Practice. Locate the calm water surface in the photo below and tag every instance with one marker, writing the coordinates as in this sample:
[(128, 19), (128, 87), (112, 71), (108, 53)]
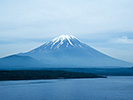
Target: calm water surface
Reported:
[(111, 88)]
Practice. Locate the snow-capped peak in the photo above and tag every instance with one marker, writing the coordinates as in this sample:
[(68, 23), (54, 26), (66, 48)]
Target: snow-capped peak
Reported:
[(61, 42), (61, 39)]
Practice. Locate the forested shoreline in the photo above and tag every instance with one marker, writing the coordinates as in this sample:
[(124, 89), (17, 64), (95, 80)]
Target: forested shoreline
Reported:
[(43, 74)]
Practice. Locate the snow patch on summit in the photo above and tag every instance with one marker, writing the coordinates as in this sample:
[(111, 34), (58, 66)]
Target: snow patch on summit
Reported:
[(60, 40)]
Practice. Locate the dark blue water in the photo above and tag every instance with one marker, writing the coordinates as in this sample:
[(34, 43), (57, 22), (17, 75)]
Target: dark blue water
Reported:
[(112, 88)]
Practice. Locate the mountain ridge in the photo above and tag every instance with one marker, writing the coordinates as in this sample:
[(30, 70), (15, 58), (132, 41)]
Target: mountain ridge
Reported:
[(67, 51)]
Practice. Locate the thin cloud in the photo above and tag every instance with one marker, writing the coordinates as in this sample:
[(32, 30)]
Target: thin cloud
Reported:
[(123, 40)]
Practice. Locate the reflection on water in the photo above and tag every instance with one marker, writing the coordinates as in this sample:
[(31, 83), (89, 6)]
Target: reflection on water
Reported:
[(24, 82), (112, 88)]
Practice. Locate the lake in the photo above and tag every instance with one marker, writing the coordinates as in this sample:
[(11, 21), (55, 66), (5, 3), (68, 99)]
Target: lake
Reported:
[(111, 88)]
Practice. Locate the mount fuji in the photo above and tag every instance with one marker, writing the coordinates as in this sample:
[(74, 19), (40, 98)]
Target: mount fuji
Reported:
[(69, 51)]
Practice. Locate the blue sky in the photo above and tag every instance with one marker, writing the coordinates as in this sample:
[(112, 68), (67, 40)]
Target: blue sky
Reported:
[(106, 25)]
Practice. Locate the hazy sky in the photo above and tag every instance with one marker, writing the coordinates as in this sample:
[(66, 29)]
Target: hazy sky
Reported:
[(106, 25)]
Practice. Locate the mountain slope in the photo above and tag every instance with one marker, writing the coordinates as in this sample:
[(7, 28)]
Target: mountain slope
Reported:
[(68, 51), (18, 62)]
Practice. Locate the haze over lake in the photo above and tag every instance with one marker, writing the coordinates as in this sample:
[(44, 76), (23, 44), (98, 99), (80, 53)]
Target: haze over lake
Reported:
[(111, 88)]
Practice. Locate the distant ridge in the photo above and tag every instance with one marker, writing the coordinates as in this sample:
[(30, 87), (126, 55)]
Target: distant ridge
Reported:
[(19, 62)]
